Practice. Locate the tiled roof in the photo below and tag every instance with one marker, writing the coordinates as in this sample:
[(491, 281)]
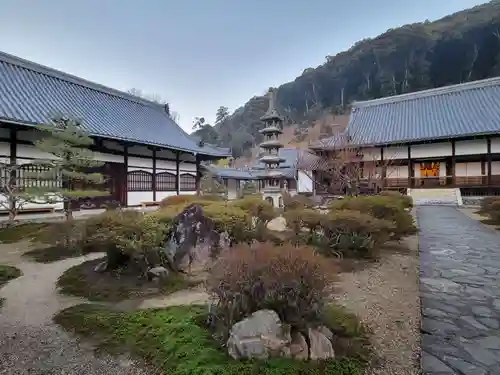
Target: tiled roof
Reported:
[(30, 94), (466, 109)]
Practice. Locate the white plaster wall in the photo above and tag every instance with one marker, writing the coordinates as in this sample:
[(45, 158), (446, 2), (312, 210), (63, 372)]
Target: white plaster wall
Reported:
[(472, 147), (4, 149), (31, 152), (166, 165), (140, 150), (4, 132), (495, 167), (232, 189), (140, 162), (468, 169), (187, 167), (396, 152), (371, 154), (112, 145), (111, 158), (132, 169), (164, 194), (165, 154), (304, 182), (397, 171), (495, 145), (431, 150), (135, 198)]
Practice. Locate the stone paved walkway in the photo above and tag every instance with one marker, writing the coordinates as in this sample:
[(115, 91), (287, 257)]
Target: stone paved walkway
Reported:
[(460, 291)]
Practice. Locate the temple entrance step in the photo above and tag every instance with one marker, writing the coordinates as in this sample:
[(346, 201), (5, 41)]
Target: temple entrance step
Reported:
[(437, 196)]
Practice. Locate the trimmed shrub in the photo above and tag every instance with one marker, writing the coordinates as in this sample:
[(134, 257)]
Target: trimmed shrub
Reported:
[(228, 218), (175, 200), (125, 236), (290, 280), (98, 232), (298, 201), (353, 233), (405, 200), (487, 204), (381, 207), (257, 208)]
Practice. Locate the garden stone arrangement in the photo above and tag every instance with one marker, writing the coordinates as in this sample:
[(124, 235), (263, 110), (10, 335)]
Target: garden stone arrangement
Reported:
[(270, 305)]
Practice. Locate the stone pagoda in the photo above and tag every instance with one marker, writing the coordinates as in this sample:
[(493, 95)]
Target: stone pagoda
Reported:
[(269, 150)]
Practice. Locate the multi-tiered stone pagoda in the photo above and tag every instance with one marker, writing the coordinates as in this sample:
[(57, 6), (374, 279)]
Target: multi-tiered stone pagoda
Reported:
[(272, 176)]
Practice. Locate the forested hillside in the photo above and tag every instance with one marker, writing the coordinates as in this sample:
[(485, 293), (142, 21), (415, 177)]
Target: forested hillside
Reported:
[(461, 47)]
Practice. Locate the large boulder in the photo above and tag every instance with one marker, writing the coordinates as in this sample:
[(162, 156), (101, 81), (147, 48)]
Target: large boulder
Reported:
[(192, 240), (320, 346), (261, 336)]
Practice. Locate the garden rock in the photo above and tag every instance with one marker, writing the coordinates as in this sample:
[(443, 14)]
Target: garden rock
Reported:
[(298, 347), (258, 336), (192, 239), (101, 267), (325, 331), (320, 346), (158, 273)]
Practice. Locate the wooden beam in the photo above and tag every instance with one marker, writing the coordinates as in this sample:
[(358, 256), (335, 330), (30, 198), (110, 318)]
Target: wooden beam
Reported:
[(125, 164), (154, 174), (410, 169), (453, 163), (13, 159), (198, 174), (177, 171), (488, 159)]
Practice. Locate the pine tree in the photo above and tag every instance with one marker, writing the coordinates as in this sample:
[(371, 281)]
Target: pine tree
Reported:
[(69, 164)]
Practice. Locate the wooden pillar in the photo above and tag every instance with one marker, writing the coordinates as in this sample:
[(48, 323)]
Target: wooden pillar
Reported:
[(177, 172), (410, 169), (13, 160), (154, 174), (198, 174), (489, 181), (384, 168), (125, 163), (453, 164)]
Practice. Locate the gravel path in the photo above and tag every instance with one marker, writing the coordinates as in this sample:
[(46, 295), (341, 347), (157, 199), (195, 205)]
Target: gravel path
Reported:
[(30, 343), (386, 298), (460, 272)]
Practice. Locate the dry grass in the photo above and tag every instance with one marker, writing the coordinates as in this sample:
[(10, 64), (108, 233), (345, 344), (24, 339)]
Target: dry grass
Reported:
[(386, 298)]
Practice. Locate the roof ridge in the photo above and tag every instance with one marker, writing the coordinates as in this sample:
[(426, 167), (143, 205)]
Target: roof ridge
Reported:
[(494, 81), (55, 73)]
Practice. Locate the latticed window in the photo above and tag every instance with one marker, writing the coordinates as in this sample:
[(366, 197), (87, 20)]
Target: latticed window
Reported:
[(32, 175), (166, 181), (187, 182), (139, 181)]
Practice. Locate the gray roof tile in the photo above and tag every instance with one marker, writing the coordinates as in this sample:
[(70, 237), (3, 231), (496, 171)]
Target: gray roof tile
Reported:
[(467, 109), (31, 94)]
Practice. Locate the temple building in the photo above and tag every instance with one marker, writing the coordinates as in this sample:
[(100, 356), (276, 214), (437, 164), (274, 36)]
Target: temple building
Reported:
[(147, 155), (438, 145)]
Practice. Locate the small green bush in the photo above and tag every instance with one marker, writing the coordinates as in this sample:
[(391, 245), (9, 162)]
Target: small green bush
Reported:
[(405, 200), (297, 201), (290, 280), (185, 200), (353, 233), (257, 208), (381, 207), (228, 218)]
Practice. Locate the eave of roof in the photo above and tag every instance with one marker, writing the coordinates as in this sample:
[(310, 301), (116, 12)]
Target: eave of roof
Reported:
[(466, 110), (31, 93)]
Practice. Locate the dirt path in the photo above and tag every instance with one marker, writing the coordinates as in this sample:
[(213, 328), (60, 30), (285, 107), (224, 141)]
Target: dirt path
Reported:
[(30, 343), (386, 298)]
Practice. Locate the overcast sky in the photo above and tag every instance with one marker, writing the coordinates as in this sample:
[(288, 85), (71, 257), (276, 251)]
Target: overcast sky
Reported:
[(199, 54)]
